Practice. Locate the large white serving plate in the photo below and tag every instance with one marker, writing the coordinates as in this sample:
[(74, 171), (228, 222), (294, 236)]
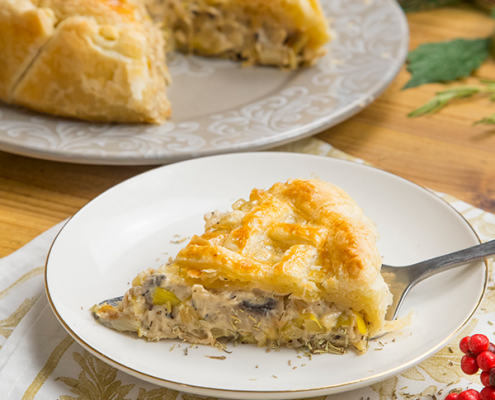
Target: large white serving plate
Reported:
[(220, 107), (130, 227)]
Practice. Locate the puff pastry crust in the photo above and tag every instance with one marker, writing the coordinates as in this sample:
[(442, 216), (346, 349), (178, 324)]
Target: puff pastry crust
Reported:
[(104, 60), (98, 60), (294, 265), (24, 29)]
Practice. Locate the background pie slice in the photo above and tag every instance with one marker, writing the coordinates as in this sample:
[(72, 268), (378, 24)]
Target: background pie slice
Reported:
[(104, 60), (281, 33)]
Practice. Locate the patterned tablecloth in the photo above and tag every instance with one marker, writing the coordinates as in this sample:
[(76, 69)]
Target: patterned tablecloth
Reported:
[(39, 360)]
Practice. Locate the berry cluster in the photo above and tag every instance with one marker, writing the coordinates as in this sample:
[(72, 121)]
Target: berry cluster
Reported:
[(479, 354)]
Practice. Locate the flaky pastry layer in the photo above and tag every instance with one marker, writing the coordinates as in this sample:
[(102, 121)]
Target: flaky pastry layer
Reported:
[(98, 60)]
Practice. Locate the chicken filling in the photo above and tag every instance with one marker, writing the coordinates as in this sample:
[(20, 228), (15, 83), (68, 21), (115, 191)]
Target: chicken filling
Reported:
[(235, 33), (156, 308)]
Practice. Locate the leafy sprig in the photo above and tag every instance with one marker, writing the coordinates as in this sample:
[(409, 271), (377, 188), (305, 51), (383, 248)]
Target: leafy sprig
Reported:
[(446, 61), (488, 120), (445, 97)]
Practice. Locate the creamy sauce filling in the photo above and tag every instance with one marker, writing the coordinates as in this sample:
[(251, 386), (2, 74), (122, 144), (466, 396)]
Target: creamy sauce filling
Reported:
[(220, 31), (160, 309)]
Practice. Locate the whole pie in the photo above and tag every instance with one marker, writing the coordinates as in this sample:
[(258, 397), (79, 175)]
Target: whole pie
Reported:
[(104, 60), (295, 266)]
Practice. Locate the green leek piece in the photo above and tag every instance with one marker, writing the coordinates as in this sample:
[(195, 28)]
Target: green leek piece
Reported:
[(162, 296)]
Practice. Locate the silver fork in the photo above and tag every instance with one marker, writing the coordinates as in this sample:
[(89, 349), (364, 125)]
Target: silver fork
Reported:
[(401, 279)]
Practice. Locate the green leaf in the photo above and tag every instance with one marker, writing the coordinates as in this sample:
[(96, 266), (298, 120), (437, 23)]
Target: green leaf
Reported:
[(489, 120), (487, 81), (446, 61), (443, 98)]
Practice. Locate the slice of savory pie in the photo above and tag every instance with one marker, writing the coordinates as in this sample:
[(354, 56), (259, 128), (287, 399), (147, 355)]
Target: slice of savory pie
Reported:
[(294, 266), (282, 33)]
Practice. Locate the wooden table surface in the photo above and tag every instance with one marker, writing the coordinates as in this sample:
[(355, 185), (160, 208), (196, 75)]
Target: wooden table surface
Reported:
[(443, 152)]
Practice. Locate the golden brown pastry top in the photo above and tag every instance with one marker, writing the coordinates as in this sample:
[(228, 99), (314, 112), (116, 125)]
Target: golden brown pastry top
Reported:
[(94, 59), (24, 29), (104, 11), (306, 238), (288, 239)]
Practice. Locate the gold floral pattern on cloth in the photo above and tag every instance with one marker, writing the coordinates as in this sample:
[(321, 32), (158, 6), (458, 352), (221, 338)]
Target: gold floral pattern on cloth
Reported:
[(65, 371), (15, 298), (45, 372), (444, 366), (21, 280), (8, 324), (488, 306), (98, 380)]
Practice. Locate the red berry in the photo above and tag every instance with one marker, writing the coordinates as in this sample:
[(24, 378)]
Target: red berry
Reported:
[(468, 365), (464, 344), (485, 378), (452, 396), (486, 360), (478, 343), (492, 376), (469, 394), (488, 393), (491, 347)]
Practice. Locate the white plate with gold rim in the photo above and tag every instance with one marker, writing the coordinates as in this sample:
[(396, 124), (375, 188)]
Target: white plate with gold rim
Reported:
[(130, 228), (219, 107)]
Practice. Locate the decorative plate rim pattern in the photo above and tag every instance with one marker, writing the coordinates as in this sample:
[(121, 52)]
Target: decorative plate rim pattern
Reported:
[(369, 47)]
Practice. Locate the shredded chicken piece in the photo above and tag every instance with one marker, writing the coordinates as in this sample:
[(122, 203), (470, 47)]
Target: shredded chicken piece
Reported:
[(227, 32)]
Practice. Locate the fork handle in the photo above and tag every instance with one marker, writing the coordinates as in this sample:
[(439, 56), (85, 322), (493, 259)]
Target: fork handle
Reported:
[(425, 269)]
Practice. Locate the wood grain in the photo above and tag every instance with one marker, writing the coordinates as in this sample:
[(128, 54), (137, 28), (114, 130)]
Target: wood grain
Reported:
[(37, 194), (443, 152)]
